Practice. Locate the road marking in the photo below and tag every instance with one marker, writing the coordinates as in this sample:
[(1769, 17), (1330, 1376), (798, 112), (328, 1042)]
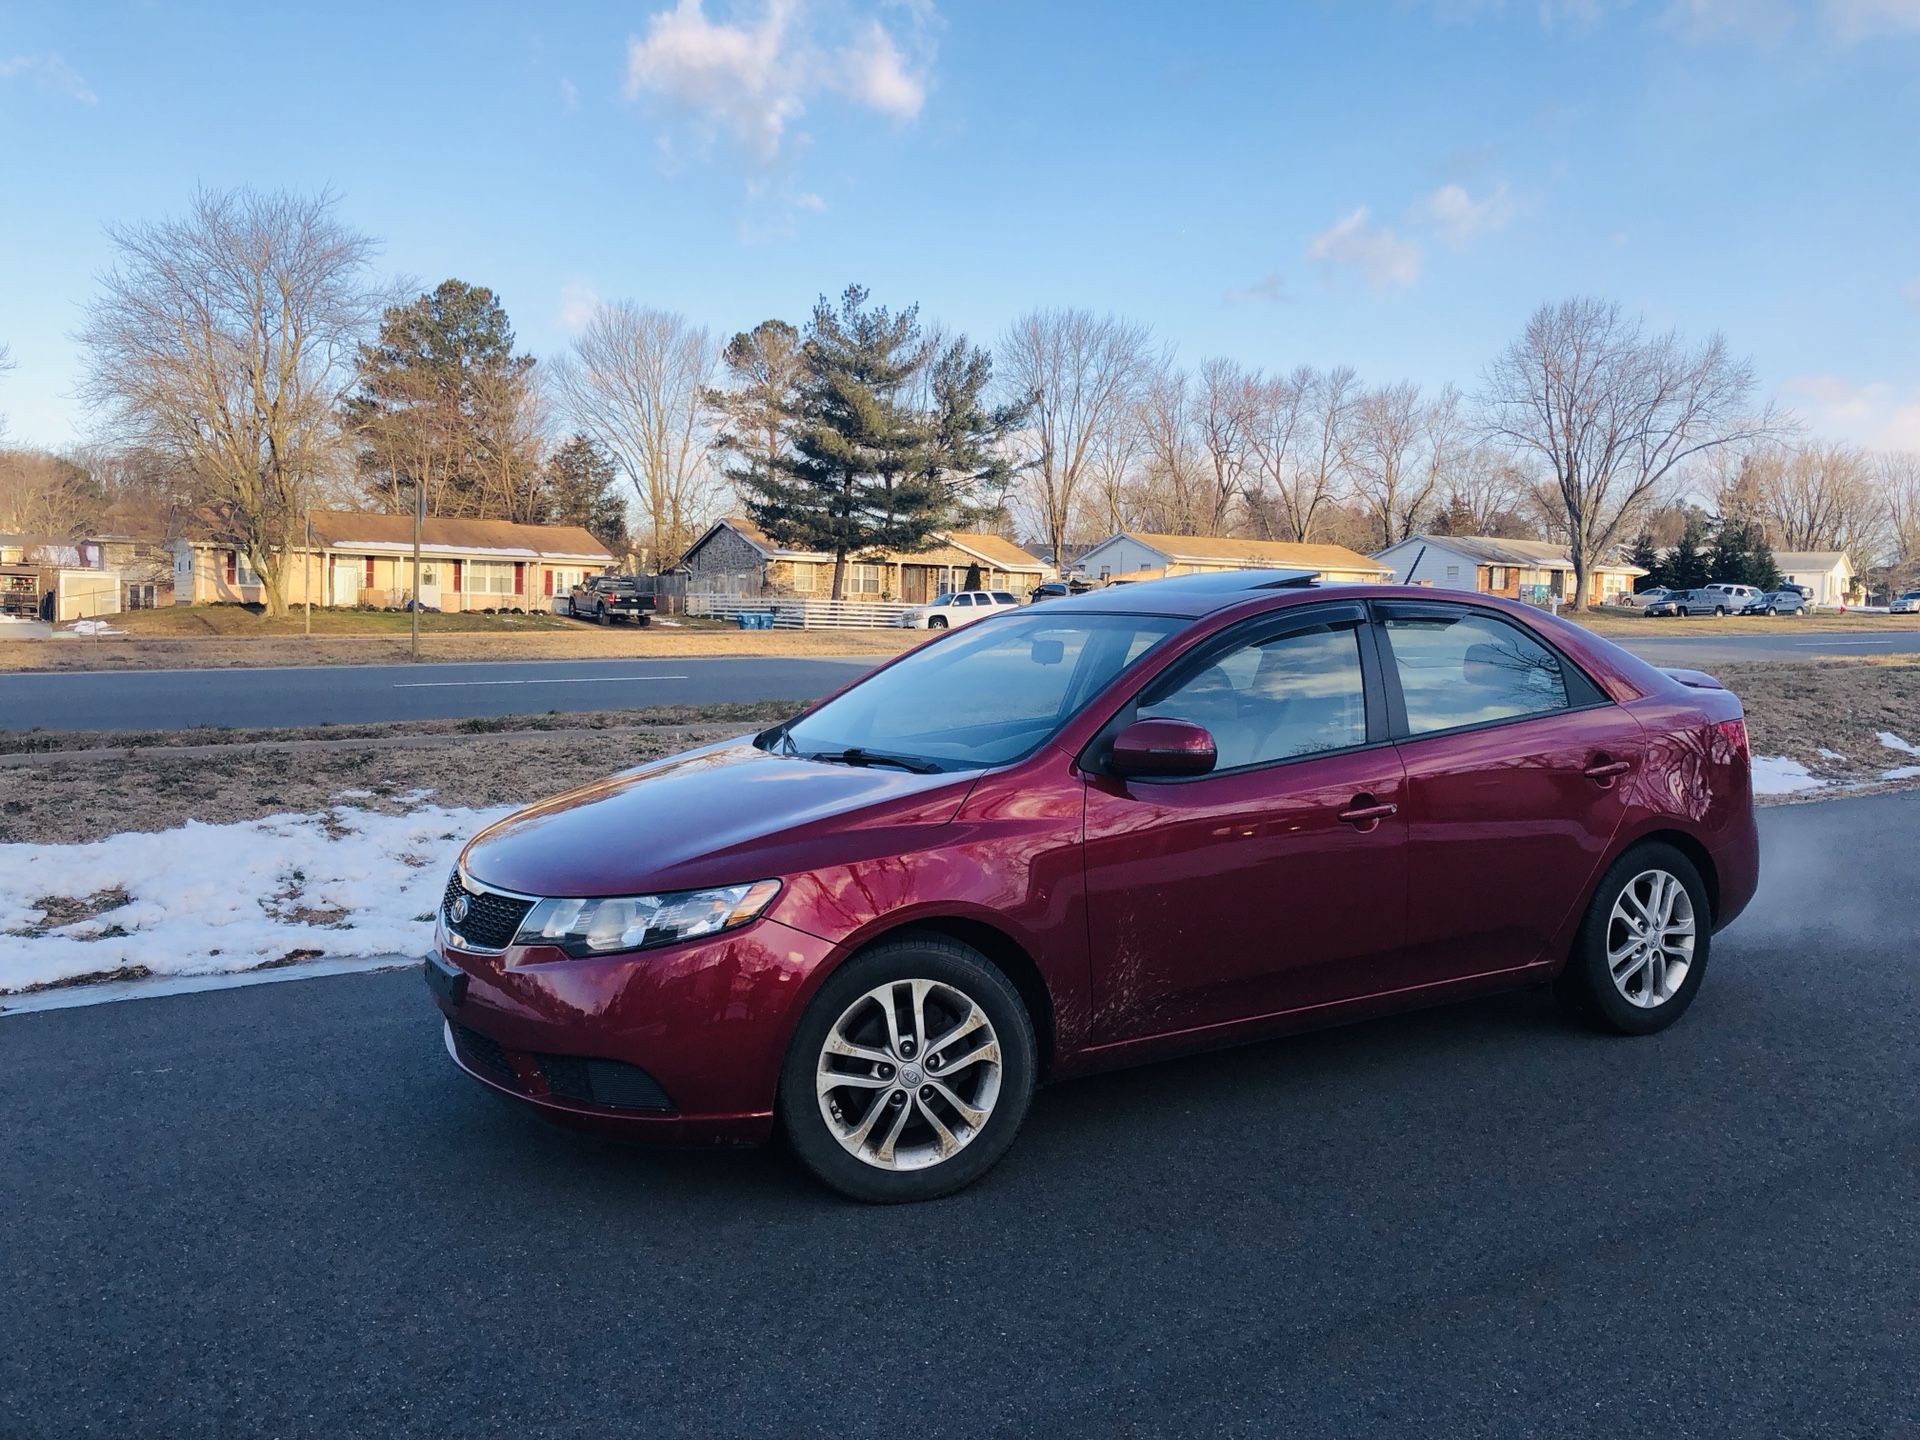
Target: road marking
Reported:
[(557, 680), (1836, 644)]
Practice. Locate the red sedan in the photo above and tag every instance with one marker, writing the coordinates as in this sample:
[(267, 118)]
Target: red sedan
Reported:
[(1181, 814)]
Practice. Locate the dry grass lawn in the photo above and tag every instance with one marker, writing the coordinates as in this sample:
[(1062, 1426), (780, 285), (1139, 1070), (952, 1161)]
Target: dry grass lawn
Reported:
[(1801, 708), (1618, 623)]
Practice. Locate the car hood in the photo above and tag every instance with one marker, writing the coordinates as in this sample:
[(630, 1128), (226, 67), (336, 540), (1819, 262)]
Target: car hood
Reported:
[(719, 815)]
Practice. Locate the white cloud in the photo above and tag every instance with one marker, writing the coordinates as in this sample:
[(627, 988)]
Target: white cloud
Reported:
[(1383, 257), (807, 200), (577, 304), (1876, 413), (1458, 217), (753, 79), (1763, 20), (873, 73), (1269, 289), (1851, 20), (50, 72)]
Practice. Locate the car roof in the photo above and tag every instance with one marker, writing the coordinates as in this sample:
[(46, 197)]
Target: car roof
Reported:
[(1192, 596)]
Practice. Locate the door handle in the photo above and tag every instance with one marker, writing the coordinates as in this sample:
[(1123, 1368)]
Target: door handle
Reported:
[(1363, 812), (1604, 771)]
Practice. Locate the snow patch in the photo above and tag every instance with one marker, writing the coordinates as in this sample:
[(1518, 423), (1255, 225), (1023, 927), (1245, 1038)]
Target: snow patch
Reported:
[(1901, 772), (1778, 775), (1894, 742), (1826, 754), (92, 627), (207, 899)]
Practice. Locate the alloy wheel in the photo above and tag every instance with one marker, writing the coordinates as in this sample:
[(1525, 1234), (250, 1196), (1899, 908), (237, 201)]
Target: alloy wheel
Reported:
[(1650, 938), (909, 1074)]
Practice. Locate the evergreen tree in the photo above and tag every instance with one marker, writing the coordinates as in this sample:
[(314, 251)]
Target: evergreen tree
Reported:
[(764, 365), (582, 488), (1646, 555), (1729, 555), (439, 405), (863, 463), (1764, 570), (1687, 565)]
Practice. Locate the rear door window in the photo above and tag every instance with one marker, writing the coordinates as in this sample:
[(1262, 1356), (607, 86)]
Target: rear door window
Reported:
[(1472, 670)]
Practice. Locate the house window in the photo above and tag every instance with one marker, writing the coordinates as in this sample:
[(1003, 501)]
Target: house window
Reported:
[(867, 579), (1496, 577), (803, 576), (1453, 572), (489, 577)]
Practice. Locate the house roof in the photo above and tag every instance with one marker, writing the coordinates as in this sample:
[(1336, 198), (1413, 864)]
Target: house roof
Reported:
[(1810, 559), (1496, 550), (958, 547), (1274, 554), (341, 529)]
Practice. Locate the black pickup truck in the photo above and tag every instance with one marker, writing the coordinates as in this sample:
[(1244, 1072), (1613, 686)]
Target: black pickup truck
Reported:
[(608, 598)]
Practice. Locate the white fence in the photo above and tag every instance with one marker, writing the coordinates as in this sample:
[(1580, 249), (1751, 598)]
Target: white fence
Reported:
[(791, 613)]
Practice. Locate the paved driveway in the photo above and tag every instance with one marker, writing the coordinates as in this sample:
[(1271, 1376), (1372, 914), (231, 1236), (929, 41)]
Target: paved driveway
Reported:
[(278, 1211)]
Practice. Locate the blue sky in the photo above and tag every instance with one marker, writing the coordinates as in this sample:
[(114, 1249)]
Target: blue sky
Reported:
[(1392, 186)]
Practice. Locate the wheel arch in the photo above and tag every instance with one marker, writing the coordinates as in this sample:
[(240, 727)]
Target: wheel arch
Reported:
[(1688, 845)]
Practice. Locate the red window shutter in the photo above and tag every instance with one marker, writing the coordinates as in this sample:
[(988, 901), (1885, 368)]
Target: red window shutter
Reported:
[(456, 578), (519, 577), (233, 567), (549, 575), (369, 580)]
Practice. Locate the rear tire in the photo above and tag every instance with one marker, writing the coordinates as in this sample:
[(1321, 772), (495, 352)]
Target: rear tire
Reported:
[(1641, 952), (603, 617), (898, 1129)]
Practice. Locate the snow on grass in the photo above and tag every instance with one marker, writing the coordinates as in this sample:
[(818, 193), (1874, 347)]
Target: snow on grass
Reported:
[(1901, 772), (202, 899), (1778, 775), (1894, 742), (92, 627)]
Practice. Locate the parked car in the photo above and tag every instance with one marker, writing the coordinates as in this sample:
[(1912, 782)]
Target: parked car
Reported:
[(1906, 604), (949, 610), (1692, 602), (1776, 602), (1735, 596), (1112, 828), (608, 598), (1640, 599), (1057, 590)]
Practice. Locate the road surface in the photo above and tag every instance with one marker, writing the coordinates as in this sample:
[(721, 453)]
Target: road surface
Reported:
[(367, 694), (279, 1211)]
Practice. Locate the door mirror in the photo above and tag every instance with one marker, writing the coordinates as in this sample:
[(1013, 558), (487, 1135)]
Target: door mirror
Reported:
[(1162, 749)]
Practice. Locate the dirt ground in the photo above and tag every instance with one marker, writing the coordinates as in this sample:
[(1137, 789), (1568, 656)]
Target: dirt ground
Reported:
[(1801, 708), (541, 641)]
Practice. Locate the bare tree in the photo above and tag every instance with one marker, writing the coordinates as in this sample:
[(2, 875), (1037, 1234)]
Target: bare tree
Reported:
[(1081, 374), (1318, 407), (1113, 468), (1488, 491), (1279, 406), (1823, 497), (6, 367), (1226, 412), (1612, 412), (638, 381), (1167, 497), (1900, 485), (513, 420), (226, 337), (45, 494), (1404, 448)]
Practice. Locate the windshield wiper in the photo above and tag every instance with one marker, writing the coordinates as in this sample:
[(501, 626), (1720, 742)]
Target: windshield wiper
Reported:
[(857, 755)]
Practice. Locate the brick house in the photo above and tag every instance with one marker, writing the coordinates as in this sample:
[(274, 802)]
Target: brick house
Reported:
[(358, 558)]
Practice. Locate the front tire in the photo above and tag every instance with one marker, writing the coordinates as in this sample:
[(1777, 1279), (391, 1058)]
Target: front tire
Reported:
[(936, 622), (910, 1073), (1641, 952), (1719, 610)]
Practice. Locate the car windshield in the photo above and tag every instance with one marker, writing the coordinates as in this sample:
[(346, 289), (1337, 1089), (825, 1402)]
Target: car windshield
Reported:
[(986, 695)]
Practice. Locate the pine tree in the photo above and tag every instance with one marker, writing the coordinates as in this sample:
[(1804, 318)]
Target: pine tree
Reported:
[(1687, 566), (1764, 570), (582, 488), (765, 365), (1646, 556), (864, 463), (1728, 555)]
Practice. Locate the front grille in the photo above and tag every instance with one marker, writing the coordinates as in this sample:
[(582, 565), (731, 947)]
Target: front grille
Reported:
[(603, 1082), (491, 921), (485, 1057)]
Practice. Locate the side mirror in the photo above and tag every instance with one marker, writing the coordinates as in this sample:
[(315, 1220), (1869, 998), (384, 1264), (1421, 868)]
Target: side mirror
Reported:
[(1162, 749)]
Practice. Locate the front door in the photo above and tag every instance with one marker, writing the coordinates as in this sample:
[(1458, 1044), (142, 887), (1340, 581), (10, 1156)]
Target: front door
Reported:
[(1517, 767), (1277, 882), (429, 585)]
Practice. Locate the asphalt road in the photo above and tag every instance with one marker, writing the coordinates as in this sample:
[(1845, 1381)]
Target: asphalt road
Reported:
[(366, 694), (279, 1211)]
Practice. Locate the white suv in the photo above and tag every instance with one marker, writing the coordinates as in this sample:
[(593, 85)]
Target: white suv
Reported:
[(962, 607), (1738, 596)]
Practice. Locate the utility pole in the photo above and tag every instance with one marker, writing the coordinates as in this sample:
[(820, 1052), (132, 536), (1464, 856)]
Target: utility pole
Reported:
[(306, 573), (419, 515)]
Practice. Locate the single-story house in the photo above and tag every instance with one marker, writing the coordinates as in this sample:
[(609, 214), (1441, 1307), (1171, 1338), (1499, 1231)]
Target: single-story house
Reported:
[(45, 577), (736, 558), (1535, 570), (358, 558), (1132, 552), (1828, 573)]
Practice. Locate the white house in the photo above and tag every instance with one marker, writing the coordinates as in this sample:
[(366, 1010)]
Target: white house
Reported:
[(1132, 552), (1533, 570), (1828, 573)]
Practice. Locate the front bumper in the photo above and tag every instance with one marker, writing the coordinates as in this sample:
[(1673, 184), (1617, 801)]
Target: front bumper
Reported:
[(680, 1045)]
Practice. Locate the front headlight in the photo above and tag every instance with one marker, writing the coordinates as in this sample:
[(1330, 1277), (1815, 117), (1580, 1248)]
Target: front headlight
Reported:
[(585, 928)]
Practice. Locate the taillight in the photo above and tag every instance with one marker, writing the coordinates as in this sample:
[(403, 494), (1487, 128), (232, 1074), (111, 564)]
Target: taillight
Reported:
[(1734, 732)]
